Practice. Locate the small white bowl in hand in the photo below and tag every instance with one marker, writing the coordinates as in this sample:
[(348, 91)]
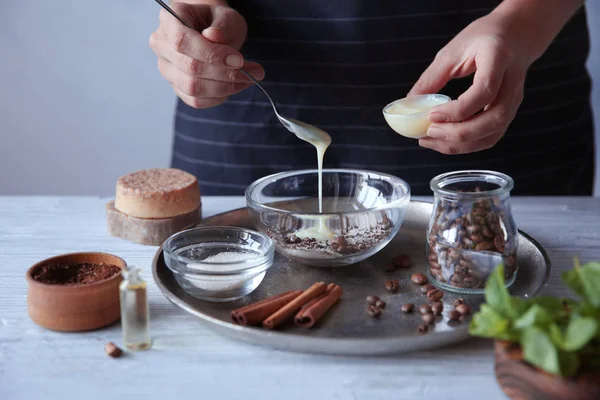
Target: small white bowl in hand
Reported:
[(409, 116)]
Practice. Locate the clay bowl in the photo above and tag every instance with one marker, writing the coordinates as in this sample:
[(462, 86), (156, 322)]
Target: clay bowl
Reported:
[(78, 307), (521, 381)]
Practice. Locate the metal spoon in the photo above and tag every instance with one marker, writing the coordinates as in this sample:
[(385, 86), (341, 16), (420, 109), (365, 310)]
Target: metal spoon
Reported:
[(302, 130)]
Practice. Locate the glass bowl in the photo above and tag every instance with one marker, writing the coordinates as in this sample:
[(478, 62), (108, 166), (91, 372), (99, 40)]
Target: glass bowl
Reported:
[(361, 212), (219, 263)]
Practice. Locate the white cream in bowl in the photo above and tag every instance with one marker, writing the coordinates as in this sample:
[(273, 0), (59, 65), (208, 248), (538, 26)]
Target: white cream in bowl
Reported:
[(410, 116)]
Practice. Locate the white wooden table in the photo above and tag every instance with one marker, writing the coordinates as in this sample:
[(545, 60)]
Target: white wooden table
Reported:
[(188, 361)]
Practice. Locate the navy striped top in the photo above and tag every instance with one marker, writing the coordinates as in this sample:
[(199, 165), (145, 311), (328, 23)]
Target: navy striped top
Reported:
[(336, 64)]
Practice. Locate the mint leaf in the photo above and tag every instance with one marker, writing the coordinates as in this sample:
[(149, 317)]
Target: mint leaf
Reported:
[(556, 335), (490, 324), (539, 350), (518, 306), (585, 309), (590, 274), (592, 357), (585, 281), (535, 316), (496, 294), (579, 332), (547, 302), (573, 280), (569, 363)]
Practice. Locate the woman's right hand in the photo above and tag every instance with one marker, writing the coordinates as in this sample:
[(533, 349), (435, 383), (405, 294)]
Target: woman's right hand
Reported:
[(203, 65)]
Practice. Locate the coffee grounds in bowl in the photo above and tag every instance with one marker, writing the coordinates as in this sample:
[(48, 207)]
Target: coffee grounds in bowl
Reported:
[(75, 274), (353, 241)]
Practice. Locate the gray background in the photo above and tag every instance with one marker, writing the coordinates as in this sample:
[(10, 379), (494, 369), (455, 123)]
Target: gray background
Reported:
[(81, 100)]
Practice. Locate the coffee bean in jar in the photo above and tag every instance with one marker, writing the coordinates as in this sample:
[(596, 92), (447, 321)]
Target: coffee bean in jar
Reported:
[(471, 230)]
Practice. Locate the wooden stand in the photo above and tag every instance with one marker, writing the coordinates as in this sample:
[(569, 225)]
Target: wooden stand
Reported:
[(520, 381)]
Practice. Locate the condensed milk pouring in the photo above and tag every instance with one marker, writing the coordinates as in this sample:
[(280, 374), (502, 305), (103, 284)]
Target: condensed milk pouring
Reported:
[(321, 140)]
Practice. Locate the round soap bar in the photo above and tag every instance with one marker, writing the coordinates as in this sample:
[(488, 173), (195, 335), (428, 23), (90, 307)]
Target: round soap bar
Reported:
[(157, 193), (410, 116)]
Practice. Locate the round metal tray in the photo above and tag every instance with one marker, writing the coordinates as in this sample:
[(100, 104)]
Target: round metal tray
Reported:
[(347, 329)]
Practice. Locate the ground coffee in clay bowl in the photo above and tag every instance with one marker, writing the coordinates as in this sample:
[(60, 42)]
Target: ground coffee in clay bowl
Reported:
[(75, 274), (75, 292)]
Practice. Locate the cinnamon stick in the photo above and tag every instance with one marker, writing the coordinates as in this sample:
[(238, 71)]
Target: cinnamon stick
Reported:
[(313, 301), (309, 316), (293, 306), (254, 314)]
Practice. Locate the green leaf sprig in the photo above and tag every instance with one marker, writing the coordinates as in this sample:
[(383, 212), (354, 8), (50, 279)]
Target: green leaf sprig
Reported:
[(558, 335)]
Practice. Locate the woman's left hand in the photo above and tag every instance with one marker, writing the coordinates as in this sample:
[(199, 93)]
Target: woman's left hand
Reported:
[(490, 49)]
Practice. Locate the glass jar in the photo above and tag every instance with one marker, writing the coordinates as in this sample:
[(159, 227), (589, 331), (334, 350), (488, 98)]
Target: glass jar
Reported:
[(471, 230)]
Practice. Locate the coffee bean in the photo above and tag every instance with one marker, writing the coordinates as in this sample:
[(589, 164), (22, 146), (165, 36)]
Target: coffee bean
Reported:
[(458, 301), (112, 350), (487, 204), (390, 267), (293, 239), (407, 308), (480, 212), (428, 318), (453, 315), (427, 288), (392, 285), (431, 240), (380, 304), (423, 328), (437, 308), (340, 244), (469, 244), (425, 309), (499, 243), (386, 223), (472, 229), (402, 261), (435, 294), (463, 309), (487, 232), (485, 245), (419, 278), (476, 238), (373, 311), (372, 299), (434, 265)]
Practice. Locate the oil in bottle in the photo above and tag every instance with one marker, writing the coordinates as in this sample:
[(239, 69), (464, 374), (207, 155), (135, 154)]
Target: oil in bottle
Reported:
[(135, 313)]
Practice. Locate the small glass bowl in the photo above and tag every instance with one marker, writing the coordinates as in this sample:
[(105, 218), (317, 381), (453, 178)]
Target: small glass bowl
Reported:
[(362, 211), (219, 263), (409, 116)]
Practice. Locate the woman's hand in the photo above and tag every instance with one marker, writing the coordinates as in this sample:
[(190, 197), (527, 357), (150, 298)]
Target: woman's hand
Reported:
[(490, 48), (203, 65)]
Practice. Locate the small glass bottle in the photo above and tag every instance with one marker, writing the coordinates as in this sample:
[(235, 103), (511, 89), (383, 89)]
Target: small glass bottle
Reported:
[(135, 313), (471, 230)]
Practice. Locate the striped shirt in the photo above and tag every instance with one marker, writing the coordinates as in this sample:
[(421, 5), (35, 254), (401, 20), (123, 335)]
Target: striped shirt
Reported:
[(336, 64)]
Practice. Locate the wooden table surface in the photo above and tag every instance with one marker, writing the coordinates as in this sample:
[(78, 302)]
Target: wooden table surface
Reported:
[(188, 361)]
